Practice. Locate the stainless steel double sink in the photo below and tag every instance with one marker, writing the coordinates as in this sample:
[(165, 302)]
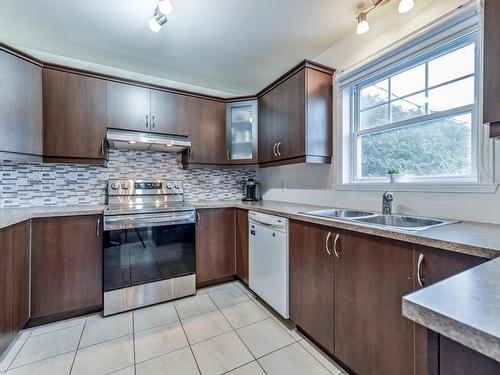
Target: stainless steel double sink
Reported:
[(399, 222)]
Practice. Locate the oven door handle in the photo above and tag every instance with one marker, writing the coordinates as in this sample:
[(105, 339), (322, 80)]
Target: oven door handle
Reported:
[(135, 222)]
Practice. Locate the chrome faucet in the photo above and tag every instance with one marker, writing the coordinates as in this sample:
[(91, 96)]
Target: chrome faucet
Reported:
[(387, 199)]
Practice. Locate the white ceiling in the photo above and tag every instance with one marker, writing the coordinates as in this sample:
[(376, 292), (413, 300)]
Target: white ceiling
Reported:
[(235, 46)]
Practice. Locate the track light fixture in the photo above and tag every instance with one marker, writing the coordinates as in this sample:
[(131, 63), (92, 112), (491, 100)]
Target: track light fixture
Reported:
[(159, 18), (363, 25)]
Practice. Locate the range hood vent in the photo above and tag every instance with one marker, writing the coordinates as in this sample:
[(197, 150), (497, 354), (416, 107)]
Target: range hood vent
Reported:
[(132, 140)]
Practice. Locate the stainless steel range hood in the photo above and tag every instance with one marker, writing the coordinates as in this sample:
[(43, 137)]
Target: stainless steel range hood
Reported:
[(133, 140)]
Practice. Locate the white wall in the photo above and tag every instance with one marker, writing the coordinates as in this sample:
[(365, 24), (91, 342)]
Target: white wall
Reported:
[(314, 184)]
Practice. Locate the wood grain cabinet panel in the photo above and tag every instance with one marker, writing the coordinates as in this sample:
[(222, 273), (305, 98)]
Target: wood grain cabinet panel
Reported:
[(20, 106), (6, 263), (295, 118), (128, 107), (491, 86), (312, 281), (14, 281), (169, 113), (371, 277), (456, 359), (74, 116), (207, 131), (242, 244), (435, 265), (21, 276), (66, 265), (215, 244)]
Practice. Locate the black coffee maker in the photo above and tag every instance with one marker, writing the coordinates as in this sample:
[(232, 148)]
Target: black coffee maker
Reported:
[(252, 190)]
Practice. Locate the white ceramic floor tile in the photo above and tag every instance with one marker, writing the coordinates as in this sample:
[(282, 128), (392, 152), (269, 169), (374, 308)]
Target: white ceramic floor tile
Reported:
[(264, 337), (179, 362), (191, 306), (221, 354), (102, 329), (104, 358), (220, 286), (253, 368), (243, 314), (59, 365), (58, 325), (12, 350), (245, 290), (154, 316), (159, 340), (292, 360), (126, 371), (291, 331), (205, 326), (322, 358), (48, 345), (228, 296)]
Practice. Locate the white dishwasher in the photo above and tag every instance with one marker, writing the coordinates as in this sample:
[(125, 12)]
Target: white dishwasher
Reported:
[(268, 259)]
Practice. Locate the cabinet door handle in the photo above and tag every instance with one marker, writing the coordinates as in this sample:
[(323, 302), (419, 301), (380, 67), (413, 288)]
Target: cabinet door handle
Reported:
[(228, 155), (98, 227), (278, 148), (328, 237), (335, 241), (198, 219), (147, 121), (153, 121), (274, 149), (102, 146), (420, 279)]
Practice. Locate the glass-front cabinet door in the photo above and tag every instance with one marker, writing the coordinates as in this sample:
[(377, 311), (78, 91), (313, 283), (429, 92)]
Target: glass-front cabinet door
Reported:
[(242, 132)]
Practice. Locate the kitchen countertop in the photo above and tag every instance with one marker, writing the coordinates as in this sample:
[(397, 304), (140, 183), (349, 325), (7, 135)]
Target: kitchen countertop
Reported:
[(11, 216), (464, 307)]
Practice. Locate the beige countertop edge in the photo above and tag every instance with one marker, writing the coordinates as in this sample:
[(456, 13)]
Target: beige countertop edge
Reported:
[(11, 216)]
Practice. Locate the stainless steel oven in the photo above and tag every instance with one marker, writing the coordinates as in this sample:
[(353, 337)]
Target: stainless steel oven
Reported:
[(149, 246)]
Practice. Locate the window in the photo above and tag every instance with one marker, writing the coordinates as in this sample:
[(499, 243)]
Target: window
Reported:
[(415, 106), (420, 117)]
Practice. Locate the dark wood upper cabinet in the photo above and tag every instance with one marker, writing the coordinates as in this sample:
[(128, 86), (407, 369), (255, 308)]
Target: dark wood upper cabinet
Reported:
[(14, 281), (169, 113), (20, 106), (433, 265), (372, 275), (74, 116), (66, 265), (207, 132), (242, 244), (215, 245), (128, 107), (491, 81), (312, 281), (295, 117)]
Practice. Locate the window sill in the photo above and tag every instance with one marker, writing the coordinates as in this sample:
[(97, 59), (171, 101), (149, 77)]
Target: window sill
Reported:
[(435, 187)]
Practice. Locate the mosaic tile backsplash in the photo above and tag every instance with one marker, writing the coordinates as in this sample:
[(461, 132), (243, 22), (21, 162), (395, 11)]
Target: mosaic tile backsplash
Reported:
[(34, 184)]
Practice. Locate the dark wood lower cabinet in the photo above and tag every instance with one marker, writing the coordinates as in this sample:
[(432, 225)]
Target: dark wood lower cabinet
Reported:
[(371, 276), (215, 245), (435, 265), (242, 245), (14, 281), (456, 359), (66, 265), (312, 281)]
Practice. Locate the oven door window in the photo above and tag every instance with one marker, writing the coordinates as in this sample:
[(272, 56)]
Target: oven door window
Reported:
[(142, 255)]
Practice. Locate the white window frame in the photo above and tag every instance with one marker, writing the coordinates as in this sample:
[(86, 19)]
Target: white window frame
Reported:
[(448, 35)]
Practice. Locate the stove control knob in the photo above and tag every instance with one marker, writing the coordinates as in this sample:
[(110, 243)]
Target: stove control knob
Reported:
[(169, 186), (124, 186), (177, 186), (115, 186)]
